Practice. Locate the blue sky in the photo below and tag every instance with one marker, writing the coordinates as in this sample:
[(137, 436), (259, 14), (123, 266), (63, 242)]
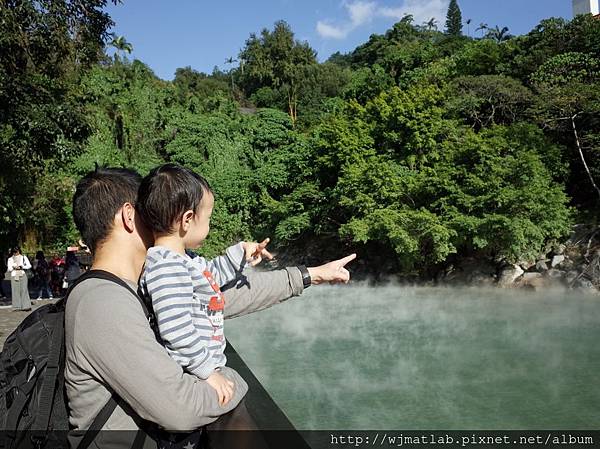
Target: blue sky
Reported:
[(167, 34)]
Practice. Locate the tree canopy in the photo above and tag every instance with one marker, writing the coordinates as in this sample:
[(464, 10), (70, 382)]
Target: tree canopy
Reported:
[(416, 148), (454, 24)]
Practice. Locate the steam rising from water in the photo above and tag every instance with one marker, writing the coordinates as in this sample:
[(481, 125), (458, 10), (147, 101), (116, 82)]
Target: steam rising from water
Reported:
[(360, 357)]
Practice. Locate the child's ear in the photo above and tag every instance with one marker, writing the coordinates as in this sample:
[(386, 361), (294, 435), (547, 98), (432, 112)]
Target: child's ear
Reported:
[(186, 219)]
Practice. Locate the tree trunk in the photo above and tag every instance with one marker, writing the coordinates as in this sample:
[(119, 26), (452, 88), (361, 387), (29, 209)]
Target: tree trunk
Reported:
[(292, 105), (587, 169)]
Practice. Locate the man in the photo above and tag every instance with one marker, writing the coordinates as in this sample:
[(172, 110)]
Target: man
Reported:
[(110, 347)]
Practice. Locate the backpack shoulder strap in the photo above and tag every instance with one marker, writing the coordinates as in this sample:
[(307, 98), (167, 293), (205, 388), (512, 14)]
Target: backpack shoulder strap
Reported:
[(99, 421), (47, 390), (108, 276), (111, 405)]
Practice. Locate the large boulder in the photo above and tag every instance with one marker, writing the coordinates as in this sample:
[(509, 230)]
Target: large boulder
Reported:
[(471, 271), (586, 286), (555, 274), (526, 264), (509, 275), (571, 276), (531, 276)]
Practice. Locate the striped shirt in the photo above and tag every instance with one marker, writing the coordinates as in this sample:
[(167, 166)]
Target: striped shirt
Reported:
[(188, 304)]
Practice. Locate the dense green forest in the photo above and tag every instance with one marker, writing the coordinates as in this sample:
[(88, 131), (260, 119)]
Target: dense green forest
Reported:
[(419, 147)]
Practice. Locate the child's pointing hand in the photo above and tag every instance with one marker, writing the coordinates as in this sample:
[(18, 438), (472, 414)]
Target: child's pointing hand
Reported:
[(256, 251)]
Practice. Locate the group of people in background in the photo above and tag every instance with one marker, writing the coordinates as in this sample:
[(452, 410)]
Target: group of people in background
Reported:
[(49, 278)]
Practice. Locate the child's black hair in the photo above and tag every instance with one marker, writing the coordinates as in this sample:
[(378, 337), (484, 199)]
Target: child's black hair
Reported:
[(166, 193)]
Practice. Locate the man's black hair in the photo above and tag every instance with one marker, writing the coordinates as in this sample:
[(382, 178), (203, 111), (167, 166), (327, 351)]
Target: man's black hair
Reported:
[(98, 197), (166, 193)]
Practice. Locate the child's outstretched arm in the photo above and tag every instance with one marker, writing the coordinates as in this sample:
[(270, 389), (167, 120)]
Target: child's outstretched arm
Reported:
[(256, 251), (228, 267)]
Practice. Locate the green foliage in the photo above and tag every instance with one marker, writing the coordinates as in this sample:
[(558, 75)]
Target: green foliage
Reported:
[(379, 195), (193, 88), (212, 145), (407, 125), (52, 224), (498, 34), (125, 103), (343, 60), (367, 83), (568, 105), (318, 83), (480, 57), (416, 236), (495, 191), (489, 100), (571, 67), (121, 45), (403, 48), (454, 19), (267, 97), (294, 214), (488, 192), (415, 147), (42, 121), (553, 37), (269, 59), (278, 61)]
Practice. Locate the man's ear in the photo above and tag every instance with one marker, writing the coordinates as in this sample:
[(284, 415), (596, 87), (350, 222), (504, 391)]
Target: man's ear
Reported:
[(128, 217), (186, 218)]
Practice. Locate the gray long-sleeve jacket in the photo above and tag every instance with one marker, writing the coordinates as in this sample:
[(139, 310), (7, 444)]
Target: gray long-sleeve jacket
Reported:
[(110, 346)]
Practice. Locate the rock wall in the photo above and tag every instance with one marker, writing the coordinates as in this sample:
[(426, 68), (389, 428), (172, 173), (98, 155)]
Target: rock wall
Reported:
[(572, 264)]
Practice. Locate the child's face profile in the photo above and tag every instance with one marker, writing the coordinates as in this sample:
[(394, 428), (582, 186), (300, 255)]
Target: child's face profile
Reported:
[(200, 224)]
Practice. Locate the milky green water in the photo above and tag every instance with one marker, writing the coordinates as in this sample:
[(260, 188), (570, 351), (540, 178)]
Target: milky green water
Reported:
[(359, 357)]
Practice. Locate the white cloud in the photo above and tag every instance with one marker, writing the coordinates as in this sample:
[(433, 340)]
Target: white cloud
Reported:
[(331, 31), (422, 10), (361, 12)]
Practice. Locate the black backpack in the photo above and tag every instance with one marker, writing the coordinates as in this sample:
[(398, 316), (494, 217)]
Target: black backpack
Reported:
[(33, 403)]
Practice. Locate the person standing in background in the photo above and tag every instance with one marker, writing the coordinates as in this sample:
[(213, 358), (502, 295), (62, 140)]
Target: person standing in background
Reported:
[(42, 269), (72, 269), (3, 268), (57, 271), (17, 264)]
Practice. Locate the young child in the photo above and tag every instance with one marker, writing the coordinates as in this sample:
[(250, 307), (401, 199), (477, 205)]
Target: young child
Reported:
[(176, 204)]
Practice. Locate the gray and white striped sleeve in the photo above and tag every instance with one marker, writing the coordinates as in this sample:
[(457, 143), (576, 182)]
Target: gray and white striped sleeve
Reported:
[(170, 287), (228, 267)]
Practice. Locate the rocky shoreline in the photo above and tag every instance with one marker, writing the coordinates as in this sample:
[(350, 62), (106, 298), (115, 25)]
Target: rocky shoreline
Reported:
[(574, 264)]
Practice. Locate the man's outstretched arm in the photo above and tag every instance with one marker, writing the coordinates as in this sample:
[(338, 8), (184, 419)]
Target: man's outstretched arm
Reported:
[(259, 290)]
